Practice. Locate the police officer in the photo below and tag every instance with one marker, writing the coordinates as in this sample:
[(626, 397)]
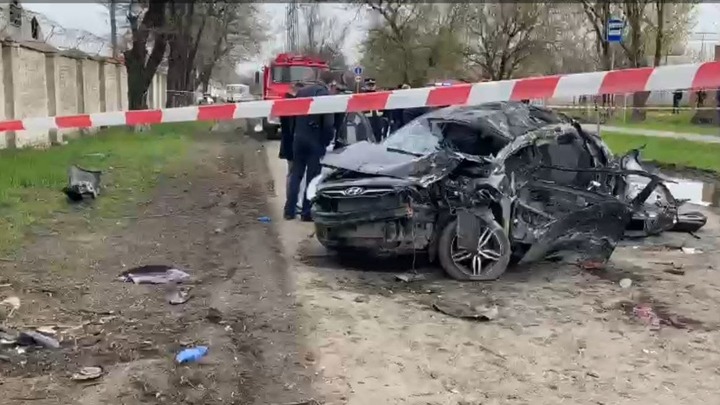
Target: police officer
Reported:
[(312, 135), (377, 118)]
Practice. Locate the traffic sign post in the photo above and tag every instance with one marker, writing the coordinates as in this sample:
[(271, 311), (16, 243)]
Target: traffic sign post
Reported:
[(615, 29), (358, 70), (358, 80)]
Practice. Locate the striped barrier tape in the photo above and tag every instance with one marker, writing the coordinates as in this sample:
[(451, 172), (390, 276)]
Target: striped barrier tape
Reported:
[(691, 76)]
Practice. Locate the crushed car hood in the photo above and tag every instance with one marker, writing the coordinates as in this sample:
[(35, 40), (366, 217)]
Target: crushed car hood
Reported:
[(374, 159)]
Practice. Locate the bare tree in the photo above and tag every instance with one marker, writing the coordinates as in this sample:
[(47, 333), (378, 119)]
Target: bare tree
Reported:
[(325, 36), (234, 35), (393, 40), (146, 24), (503, 36)]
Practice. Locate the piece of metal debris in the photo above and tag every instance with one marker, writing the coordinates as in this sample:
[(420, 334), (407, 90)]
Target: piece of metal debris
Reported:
[(625, 283), (82, 184), (676, 272), (154, 274), (690, 250), (465, 311), (410, 277), (179, 297), (87, 374), (32, 338)]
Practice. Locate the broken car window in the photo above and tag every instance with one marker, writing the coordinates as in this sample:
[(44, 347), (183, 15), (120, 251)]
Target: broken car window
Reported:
[(416, 138)]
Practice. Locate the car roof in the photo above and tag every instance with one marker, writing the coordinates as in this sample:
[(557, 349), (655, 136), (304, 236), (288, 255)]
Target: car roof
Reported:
[(510, 119)]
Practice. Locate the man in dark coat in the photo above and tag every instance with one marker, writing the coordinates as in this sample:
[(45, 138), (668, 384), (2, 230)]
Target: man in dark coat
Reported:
[(312, 135), (287, 127)]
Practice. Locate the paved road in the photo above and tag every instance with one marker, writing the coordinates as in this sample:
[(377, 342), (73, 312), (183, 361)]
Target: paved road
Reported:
[(660, 134)]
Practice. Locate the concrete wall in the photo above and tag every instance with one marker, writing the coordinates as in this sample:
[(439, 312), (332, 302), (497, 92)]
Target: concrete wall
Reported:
[(36, 82)]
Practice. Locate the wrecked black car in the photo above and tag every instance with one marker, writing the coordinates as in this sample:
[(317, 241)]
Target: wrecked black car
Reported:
[(479, 187)]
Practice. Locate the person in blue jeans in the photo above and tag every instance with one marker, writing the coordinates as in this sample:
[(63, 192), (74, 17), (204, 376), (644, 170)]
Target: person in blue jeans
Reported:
[(313, 134)]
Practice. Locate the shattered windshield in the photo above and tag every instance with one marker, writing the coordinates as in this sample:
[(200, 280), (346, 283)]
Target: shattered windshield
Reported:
[(416, 138)]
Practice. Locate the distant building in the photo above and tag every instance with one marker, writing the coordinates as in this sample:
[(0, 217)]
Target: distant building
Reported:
[(17, 24)]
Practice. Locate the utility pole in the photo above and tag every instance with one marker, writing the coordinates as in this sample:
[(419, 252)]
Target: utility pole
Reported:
[(113, 28)]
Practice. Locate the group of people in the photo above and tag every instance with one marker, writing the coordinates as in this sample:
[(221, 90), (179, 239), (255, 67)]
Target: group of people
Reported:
[(305, 139)]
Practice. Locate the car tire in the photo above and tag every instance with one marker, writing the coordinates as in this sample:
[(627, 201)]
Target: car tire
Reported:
[(462, 273), (690, 221)]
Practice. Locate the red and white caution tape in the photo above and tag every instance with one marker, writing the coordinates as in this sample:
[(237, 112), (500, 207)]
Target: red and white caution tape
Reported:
[(692, 76)]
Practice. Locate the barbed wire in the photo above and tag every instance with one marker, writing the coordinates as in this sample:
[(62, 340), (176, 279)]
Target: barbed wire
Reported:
[(54, 34)]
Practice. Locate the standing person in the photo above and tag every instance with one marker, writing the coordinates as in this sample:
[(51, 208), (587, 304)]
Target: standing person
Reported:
[(700, 95), (396, 116), (677, 96), (287, 128), (312, 135), (377, 118)]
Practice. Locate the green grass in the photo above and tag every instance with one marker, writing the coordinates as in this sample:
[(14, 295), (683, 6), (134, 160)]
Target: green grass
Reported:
[(656, 120), (705, 156), (666, 121), (31, 180)]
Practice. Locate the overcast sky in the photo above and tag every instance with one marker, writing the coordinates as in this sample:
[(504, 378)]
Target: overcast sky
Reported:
[(94, 18)]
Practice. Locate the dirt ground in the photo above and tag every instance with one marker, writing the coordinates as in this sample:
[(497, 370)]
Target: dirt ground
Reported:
[(202, 219), (562, 334), (285, 321)]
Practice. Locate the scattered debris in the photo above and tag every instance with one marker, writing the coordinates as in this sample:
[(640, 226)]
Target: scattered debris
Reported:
[(591, 264), (33, 338), (362, 298), (46, 330), (676, 272), (626, 283), (647, 315), (13, 302), (87, 374), (8, 336), (265, 220), (82, 184), (592, 374), (154, 274), (410, 277), (465, 311), (690, 251), (307, 402), (178, 297), (214, 315), (191, 355)]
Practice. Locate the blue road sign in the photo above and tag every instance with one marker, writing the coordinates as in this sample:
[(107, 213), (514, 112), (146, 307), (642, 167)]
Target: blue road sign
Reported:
[(358, 70), (615, 28)]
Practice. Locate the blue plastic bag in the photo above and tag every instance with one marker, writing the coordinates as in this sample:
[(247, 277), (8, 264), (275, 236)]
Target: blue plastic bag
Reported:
[(191, 354)]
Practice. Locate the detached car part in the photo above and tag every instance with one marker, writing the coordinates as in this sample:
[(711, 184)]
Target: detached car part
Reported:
[(82, 184)]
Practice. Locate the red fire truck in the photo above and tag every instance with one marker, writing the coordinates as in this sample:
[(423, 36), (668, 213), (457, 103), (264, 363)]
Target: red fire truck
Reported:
[(278, 77)]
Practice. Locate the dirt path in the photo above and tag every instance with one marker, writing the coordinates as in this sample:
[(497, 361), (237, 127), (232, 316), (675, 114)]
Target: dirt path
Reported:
[(203, 218), (561, 335)]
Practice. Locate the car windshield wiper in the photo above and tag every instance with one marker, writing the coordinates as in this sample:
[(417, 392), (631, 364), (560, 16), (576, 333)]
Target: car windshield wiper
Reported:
[(404, 152)]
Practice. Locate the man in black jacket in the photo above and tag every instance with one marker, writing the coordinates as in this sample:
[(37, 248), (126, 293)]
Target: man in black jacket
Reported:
[(312, 136), (287, 127)]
